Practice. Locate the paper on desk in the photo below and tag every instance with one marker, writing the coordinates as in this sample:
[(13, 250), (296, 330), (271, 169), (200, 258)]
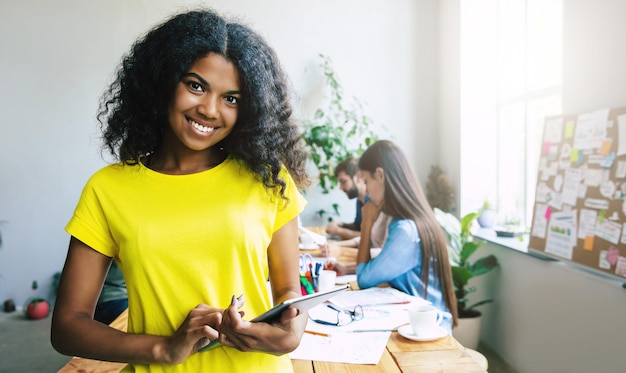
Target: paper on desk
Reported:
[(374, 296), (341, 346), (345, 279), (319, 239)]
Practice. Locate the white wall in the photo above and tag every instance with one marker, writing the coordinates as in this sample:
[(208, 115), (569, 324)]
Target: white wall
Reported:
[(57, 57), (548, 317)]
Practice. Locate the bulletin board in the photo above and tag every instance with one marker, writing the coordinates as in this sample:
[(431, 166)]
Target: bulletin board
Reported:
[(579, 213)]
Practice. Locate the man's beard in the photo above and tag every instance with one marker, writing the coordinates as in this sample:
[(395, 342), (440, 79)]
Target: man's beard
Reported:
[(353, 192)]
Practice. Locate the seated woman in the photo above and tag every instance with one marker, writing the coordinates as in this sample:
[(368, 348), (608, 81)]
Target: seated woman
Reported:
[(414, 258)]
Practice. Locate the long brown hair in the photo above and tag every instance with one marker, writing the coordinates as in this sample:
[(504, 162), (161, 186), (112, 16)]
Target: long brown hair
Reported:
[(405, 199)]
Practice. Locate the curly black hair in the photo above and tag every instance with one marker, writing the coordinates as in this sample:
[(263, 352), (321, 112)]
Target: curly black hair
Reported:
[(133, 112)]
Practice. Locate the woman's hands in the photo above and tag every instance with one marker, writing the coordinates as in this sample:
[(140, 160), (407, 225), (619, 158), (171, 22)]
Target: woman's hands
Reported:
[(204, 324), (198, 330), (276, 338)]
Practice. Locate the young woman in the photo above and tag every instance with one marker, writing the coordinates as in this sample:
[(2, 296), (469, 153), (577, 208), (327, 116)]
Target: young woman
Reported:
[(199, 212), (414, 258)]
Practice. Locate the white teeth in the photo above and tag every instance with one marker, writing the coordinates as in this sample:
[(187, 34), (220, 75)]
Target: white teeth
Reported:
[(201, 128)]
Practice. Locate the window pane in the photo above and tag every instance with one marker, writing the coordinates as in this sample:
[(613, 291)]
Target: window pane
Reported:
[(544, 30), (511, 47), (511, 161)]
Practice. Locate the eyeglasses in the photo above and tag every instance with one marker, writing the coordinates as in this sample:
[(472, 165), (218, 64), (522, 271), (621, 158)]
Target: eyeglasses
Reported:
[(339, 317)]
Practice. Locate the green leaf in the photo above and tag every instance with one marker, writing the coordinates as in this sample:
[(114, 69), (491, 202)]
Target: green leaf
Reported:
[(479, 303), (466, 223), (468, 249), (460, 275), (484, 265)]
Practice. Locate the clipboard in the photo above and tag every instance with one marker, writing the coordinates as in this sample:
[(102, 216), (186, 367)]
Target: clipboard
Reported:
[(303, 304)]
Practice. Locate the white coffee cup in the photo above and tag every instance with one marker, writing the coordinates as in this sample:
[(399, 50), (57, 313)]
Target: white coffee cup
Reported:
[(326, 280), (425, 320)]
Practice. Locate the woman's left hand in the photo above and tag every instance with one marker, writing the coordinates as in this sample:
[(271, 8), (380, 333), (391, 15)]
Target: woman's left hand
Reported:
[(277, 338), (369, 212)]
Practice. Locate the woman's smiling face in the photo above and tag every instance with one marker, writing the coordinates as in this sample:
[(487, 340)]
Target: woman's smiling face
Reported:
[(205, 104)]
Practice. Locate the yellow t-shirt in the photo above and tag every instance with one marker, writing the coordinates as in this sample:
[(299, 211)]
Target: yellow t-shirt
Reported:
[(182, 240)]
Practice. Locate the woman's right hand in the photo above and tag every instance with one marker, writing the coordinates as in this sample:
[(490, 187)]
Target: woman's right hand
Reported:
[(341, 269), (198, 330)]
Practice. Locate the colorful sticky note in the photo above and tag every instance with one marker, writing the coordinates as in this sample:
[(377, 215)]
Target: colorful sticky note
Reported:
[(569, 129), (548, 213), (588, 244), (605, 148), (546, 147), (574, 155)]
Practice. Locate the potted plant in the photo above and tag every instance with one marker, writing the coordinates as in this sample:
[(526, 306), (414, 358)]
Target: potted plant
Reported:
[(336, 131), (487, 215), (463, 247)]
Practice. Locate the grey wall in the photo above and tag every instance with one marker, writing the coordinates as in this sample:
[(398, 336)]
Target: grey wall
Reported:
[(57, 57)]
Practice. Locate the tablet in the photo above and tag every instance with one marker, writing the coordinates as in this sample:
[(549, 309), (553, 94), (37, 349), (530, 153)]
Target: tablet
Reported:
[(303, 304)]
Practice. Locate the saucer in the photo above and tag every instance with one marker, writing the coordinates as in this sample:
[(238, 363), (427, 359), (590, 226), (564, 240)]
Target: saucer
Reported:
[(309, 246), (407, 332)]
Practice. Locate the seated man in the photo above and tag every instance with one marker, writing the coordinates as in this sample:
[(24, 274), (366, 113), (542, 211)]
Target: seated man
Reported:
[(351, 184)]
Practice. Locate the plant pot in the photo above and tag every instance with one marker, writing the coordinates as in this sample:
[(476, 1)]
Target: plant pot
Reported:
[(36, 308), (468, 331), (487, 218)]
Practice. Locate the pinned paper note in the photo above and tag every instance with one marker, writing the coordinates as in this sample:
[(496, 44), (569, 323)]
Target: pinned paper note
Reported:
[(607, 161), (569, 129), (620, 267), (588, 245), (548, 213), (575, 155), (602, 262), (612, 255), (605, 148)]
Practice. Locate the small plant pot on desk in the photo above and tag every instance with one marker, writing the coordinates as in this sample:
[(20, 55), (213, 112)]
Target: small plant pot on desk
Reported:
[(36, 308)]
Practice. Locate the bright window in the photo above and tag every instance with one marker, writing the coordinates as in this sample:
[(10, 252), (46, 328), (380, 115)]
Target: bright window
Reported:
[(510, 81)]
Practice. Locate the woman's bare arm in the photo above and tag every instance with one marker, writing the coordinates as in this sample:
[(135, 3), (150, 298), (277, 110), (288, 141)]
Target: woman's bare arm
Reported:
[(75, 332)]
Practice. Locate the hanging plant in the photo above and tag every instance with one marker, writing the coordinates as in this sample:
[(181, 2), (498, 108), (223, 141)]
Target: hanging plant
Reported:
[(338, 130)]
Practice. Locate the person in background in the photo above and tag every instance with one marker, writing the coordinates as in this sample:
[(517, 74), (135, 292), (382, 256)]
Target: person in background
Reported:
[(414, 258), (113, 299), (351, 184), (199, 211)]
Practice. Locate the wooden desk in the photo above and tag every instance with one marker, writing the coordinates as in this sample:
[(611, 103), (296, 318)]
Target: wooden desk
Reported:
[(401, 355), (445, 355)]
